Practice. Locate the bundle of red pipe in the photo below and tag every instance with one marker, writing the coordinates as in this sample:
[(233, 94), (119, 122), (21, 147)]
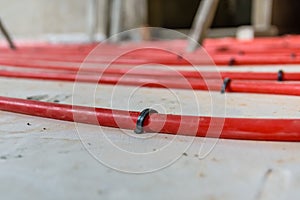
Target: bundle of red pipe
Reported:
[(62, 62)]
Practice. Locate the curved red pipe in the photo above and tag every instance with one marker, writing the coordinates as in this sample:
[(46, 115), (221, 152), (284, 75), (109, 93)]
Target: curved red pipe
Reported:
[(233, 128)]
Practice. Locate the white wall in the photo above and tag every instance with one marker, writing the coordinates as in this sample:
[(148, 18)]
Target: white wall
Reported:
[(35, 18)]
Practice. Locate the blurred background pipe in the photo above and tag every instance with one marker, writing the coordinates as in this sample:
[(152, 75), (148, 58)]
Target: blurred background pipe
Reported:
[(7, 36)]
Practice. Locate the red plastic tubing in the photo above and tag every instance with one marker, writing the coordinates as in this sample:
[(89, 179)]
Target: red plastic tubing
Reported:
[(266, 51), (121, 70), (244, 86), (233, 128)]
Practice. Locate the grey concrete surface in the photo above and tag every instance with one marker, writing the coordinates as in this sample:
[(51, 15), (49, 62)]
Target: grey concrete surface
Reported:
[(51, 159)]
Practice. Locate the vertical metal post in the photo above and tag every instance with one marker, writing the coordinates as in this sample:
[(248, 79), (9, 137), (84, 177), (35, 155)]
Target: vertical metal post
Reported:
[(92, 19), (262, 14), (115, 19), (7, 36), (202, 22)]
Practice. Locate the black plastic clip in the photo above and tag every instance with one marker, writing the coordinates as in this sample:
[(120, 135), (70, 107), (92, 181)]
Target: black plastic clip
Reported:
[(231, 62), (293, 55), (225, 85), (141, 119), (280, 75)]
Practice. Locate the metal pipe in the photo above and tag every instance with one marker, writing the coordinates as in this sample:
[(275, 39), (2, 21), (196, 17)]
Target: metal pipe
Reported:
[(202, 22), (7, 36), (92, 19), (115, 20)]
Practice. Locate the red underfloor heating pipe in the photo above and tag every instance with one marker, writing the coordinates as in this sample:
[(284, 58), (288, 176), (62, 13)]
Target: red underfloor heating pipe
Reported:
[(243, 86), (233, 128), (223, 52)]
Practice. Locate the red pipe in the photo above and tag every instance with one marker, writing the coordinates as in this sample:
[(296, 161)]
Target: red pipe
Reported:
[(266, 87), (159, 58), (226, 53), (234, 128), (122, 70), (149, 53)]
